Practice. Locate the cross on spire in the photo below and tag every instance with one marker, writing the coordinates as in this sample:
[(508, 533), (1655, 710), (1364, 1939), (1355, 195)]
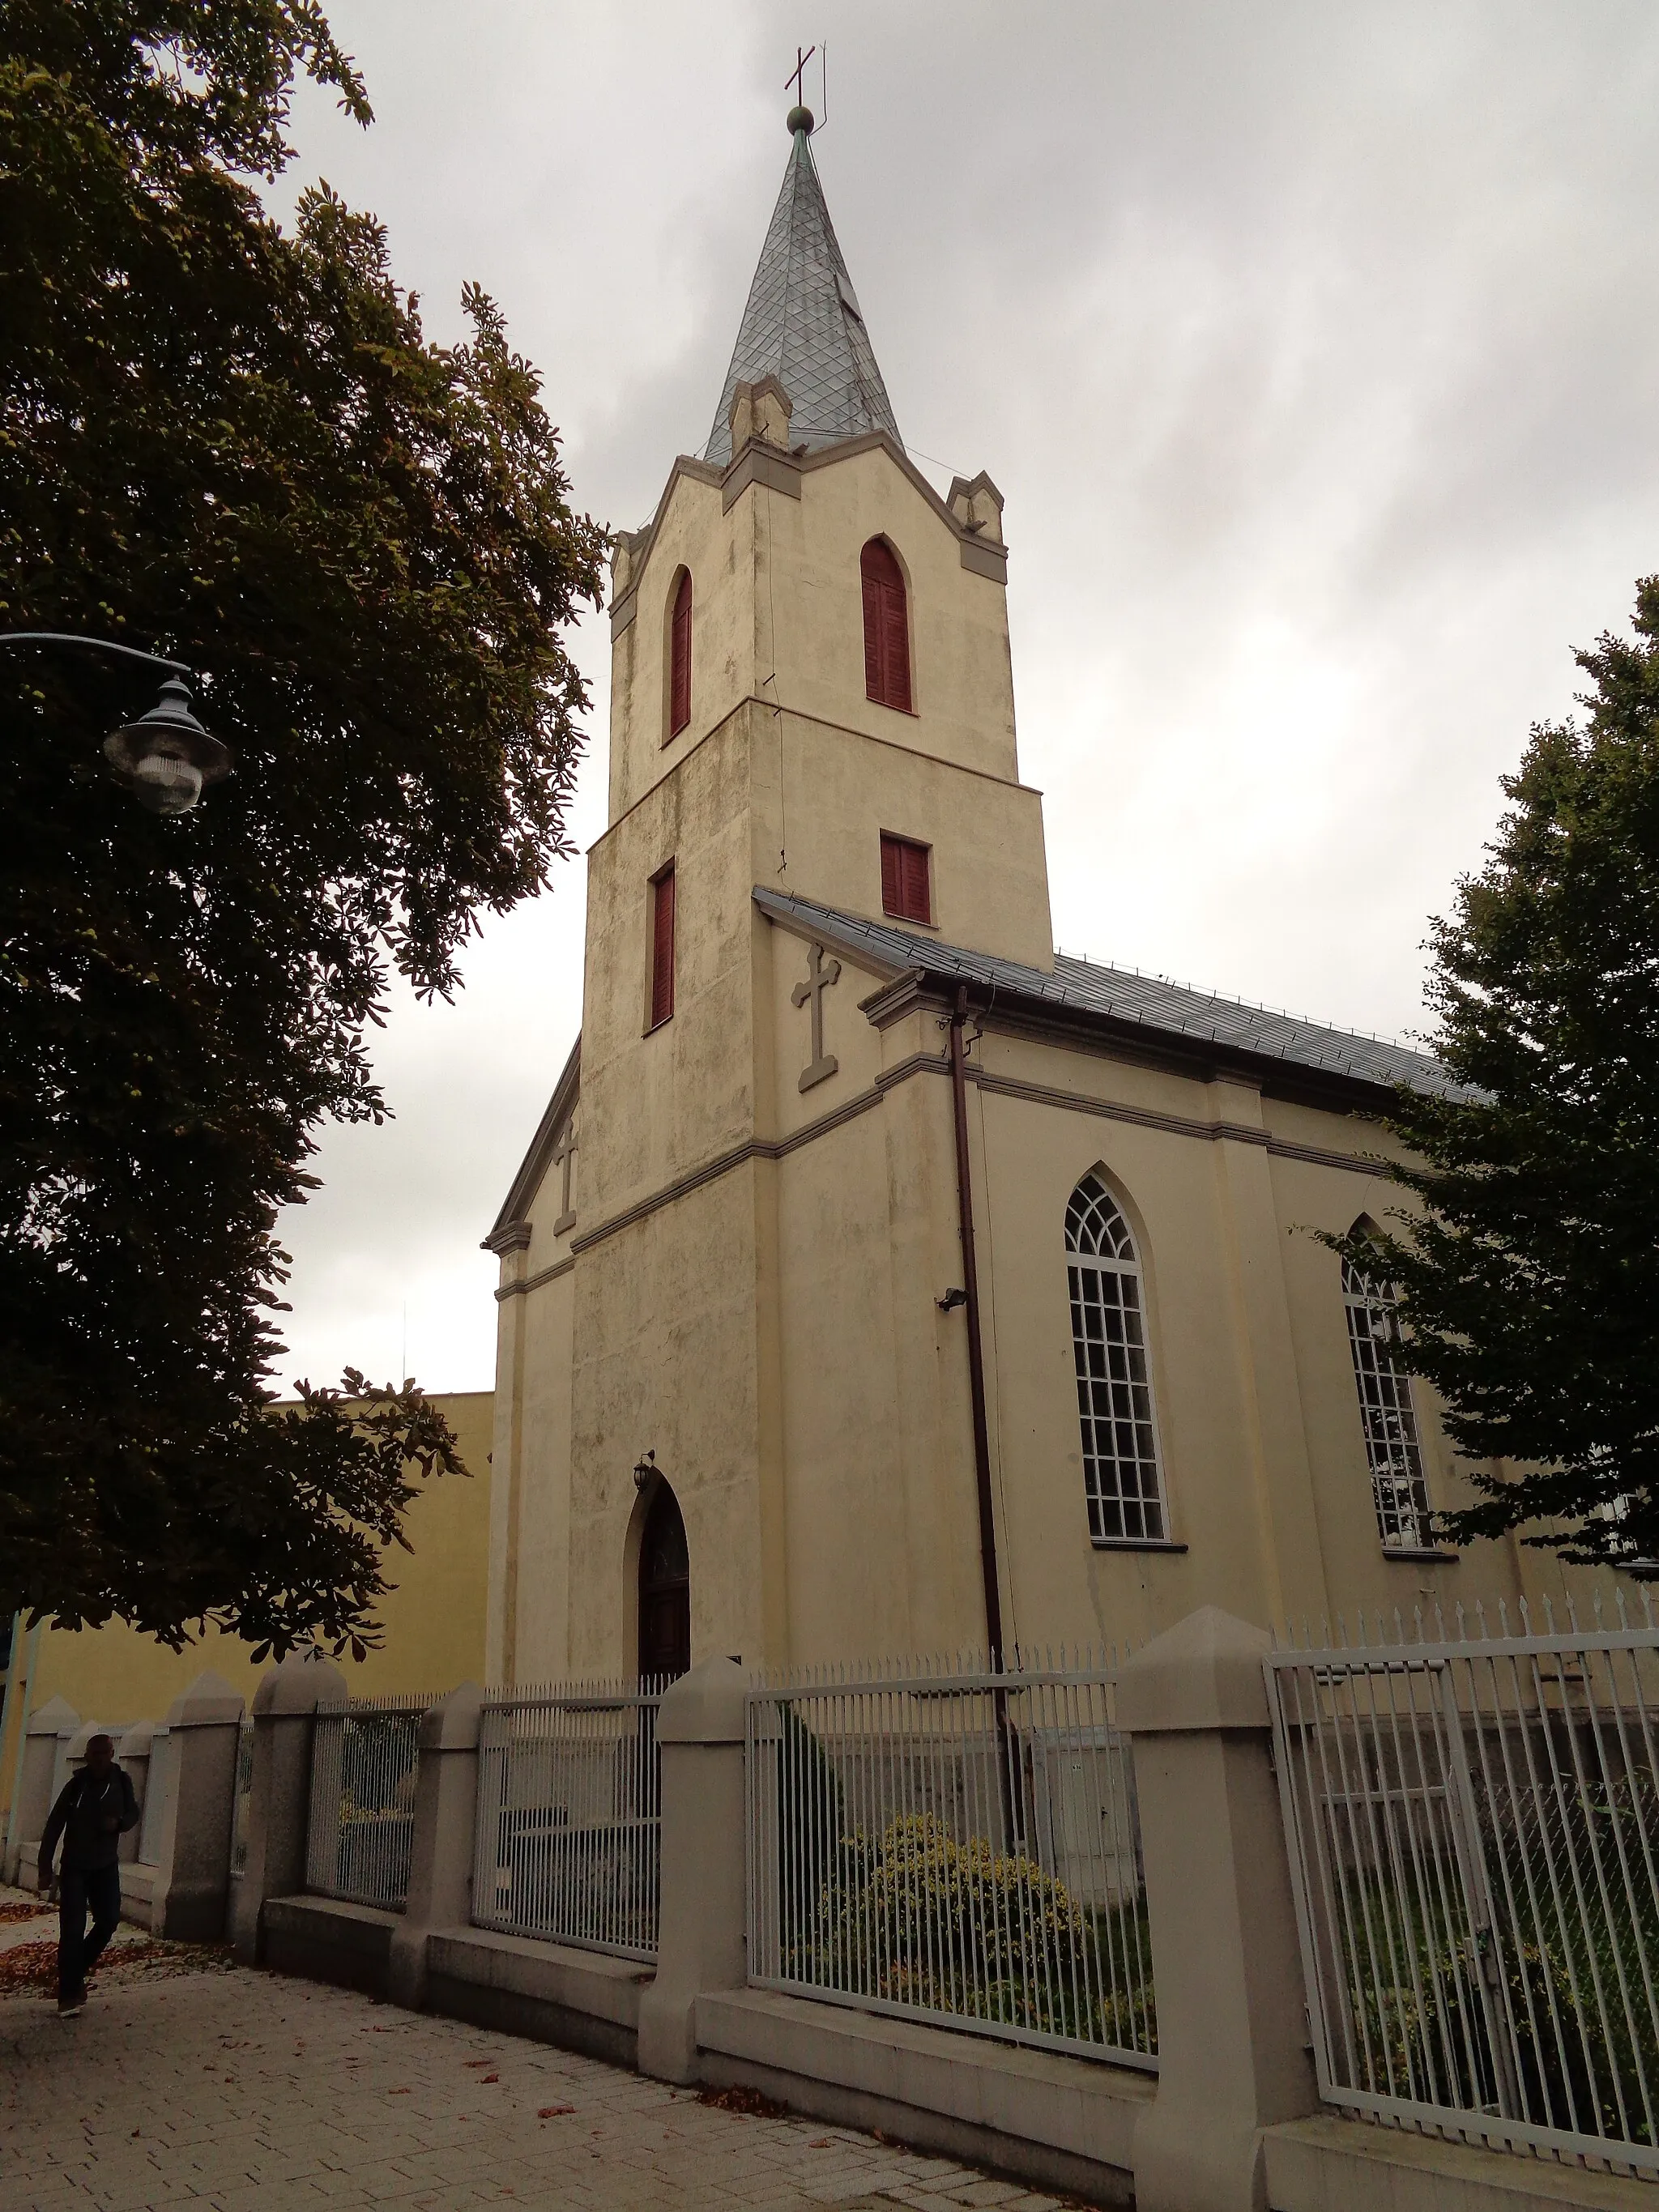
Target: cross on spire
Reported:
[(798, 71), (820, 975)]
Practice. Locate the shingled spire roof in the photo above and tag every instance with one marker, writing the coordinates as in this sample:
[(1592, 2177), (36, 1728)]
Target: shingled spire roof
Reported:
[(802, 324)]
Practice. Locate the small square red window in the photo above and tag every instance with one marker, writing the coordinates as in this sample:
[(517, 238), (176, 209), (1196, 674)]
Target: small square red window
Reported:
[(904, 887)]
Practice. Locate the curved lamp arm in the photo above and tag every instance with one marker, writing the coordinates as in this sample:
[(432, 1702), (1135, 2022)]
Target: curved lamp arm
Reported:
[(91, 645)]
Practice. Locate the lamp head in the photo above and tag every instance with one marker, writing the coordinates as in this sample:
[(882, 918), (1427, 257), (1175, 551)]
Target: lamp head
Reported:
[(165, 757)]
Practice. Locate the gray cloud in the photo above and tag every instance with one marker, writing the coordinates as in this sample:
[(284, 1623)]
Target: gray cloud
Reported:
[(1312, 348)]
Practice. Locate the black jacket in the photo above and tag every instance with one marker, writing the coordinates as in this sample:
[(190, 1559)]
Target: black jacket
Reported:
[(81, 1816)]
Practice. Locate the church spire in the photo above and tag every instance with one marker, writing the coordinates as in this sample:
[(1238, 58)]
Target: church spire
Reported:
[(802, 323)]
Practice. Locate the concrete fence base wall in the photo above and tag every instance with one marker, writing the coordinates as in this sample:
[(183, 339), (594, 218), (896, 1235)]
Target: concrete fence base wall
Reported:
[(1231, 2121), (348, 1945), (1062, 2124)]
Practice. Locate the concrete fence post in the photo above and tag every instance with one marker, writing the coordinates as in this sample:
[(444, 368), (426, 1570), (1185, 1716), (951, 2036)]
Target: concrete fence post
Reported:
[(41, 1731), (192, 1875), (279, 1805), (440, 1855), (132, 1755), (701, 1943), (1231, 2029)]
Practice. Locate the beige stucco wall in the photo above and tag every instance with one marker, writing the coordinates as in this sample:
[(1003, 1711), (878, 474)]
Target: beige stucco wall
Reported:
[(527, 1630), (434, 1618), (749, 1289)]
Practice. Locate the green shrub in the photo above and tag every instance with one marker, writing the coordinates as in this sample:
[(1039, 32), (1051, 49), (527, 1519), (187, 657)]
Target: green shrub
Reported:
[(920, 1919)]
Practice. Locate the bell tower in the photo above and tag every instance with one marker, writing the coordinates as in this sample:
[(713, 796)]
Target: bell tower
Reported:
[(811, 695), (771, 534)]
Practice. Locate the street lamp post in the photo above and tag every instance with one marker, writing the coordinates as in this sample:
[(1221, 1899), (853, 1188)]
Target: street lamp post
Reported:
[(165, 757)]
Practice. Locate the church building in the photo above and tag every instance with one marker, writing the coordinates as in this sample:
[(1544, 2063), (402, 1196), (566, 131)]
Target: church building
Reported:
[(880, 1281)]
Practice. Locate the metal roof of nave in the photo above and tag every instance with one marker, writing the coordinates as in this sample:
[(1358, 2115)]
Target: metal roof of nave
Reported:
[(803, 324), (1147, 1003)]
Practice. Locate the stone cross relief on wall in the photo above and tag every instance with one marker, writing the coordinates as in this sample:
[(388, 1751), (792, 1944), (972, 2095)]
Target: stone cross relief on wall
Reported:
[(820, 975), (564, 1153)]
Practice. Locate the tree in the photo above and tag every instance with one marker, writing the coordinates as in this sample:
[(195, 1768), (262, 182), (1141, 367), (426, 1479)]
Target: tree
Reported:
[(1529, 1285), (236, 446)]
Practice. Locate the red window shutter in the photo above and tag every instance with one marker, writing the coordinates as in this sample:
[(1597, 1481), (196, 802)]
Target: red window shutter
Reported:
[(873, 631), (886, 628), (916, 903), (904, 892), (679, 686), (895, 648), (892, 875), (662, 948)]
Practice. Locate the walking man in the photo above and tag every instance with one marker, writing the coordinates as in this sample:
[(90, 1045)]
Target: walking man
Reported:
[(95, 1809)]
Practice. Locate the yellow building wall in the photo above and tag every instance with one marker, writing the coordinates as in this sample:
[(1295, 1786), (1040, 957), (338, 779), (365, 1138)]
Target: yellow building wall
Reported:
[(434, 1618)]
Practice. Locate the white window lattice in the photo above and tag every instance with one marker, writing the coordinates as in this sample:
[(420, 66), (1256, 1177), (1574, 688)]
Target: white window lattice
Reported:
[(1386, 1413), (1121, 1472)]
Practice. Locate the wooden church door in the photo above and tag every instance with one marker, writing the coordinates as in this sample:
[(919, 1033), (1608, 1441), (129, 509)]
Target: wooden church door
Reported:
[(664, 1589)]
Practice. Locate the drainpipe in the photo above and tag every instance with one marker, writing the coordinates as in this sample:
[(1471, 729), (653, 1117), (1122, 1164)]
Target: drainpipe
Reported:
[(987, 1532)]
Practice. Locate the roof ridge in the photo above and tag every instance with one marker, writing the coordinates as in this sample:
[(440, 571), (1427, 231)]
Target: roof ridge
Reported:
[(1230, 998)]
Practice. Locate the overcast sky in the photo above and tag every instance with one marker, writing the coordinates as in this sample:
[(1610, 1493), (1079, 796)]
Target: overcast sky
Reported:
[(1313, 347)]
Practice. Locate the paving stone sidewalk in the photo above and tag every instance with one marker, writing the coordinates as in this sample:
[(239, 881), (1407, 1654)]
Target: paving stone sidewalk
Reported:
[(234, 2089)]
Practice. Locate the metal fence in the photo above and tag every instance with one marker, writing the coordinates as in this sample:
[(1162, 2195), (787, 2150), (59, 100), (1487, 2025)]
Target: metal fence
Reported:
[(570, 1802), (954, 1844), (1473, 1814), (363, 1799)]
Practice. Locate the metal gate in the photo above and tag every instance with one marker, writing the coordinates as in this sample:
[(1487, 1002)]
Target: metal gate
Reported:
[(1473, 1834)]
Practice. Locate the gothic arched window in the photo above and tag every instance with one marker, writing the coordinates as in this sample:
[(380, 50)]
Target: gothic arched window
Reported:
[(1387, 1416), (886, 628), (1121, 1475), (679, 657)]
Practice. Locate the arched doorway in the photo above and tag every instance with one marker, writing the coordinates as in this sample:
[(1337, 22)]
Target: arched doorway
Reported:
[(665, 1589)]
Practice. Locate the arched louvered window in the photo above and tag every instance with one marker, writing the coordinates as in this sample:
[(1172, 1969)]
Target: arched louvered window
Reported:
[(886, 628), (1386, 1413), (1121, 1475), (679, 657)]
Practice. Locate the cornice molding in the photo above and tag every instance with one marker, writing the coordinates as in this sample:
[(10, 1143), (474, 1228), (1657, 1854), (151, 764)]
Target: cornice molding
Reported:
[(924, 1063), (760, 462), (534, 1282), (772, 708), (516, 1206)]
